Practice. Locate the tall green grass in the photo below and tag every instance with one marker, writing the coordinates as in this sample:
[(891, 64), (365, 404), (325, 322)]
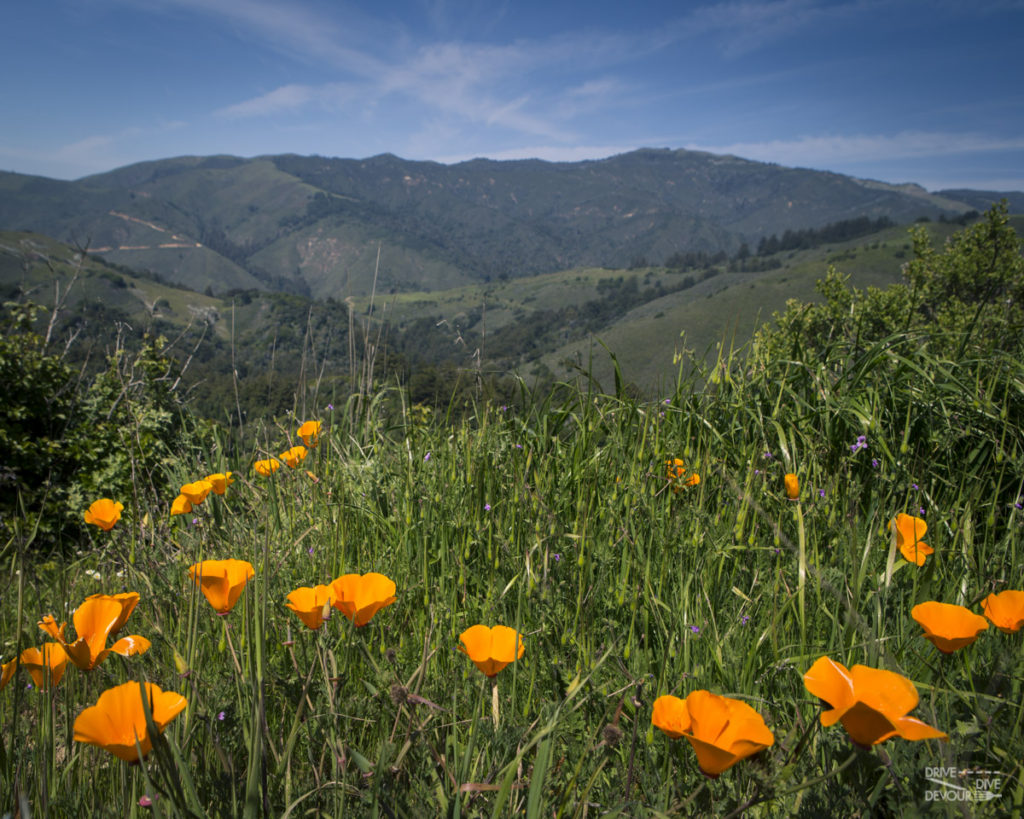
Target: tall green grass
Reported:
[(556, 519)]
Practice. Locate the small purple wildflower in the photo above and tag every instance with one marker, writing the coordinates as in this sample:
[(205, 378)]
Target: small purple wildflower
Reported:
[(1019, 505), (221, 716), (920, 511), (195, 521), (330, 407), (487, 507), (519, 446), (558, 557), (757, 471), (914, 486), (504, 407), (695, 629), (862, 443), (874, 462), (310, 550), (426, 457), (767, 456), (745, 619), (821, 493)]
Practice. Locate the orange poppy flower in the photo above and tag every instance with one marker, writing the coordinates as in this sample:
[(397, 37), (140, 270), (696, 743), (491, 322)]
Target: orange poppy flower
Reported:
[(359, 597), (99, 617), (909, 531), (872, 703), (104, 513), (309, 432), (721, 730), (491, 649), (948, 626), (48, 662), (792, 486), (679, 476), (118, 718), (220, 481), (181, 506), (7, 671), (313, 605), (293, 456), (222, 581), (267, 467), (197, 491), (1005, 610)]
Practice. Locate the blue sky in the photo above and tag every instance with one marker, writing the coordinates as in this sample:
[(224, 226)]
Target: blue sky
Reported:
[(926, 92)]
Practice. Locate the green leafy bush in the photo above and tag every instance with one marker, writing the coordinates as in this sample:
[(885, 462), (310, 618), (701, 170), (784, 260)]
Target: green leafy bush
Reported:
[(66, 440)]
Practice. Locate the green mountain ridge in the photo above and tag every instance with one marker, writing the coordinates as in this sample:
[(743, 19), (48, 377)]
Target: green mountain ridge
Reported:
[(322, 227)]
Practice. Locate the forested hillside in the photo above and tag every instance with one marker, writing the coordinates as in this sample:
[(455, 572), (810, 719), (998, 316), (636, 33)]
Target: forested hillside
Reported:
[(322, 227)]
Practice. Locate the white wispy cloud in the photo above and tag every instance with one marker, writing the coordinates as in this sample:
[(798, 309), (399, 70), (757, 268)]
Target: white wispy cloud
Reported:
[(294, 28), (285, 98), (92, 154), (604, 87), (290, 98), (527, 86)]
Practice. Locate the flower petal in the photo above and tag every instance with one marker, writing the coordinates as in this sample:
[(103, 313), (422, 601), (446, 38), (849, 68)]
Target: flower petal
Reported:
[(888, 692), (491, 649), (118, 718), (867, 726), (506, 644), (222, 581), (47, 662), (916, 552), (130, 645), (911, 728), (671, 715), (1005, 610), (948, 626), (830, 681), (308, 603)]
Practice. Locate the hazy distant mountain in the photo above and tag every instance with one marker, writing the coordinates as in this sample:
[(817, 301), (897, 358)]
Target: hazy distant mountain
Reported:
[(982, 200), (313, 225)]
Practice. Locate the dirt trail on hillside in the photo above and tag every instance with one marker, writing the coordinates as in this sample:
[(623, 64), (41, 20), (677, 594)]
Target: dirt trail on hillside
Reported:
[(176, 241)]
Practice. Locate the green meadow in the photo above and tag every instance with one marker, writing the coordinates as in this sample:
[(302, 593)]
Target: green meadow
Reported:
[(555, 515)]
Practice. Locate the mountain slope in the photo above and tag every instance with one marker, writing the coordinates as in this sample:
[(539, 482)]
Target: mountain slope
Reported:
[(314, 226), (546, 326)]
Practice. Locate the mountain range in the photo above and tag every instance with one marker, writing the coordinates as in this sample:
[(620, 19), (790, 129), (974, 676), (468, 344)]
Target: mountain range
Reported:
[(322, 227)]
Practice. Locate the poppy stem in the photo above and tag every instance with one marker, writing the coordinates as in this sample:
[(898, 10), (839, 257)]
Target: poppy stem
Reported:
[(494, 702), (665, 776), (231, 646), (802, 575)]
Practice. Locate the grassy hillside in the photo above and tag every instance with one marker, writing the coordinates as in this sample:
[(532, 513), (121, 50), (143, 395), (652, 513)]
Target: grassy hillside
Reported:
[(32, 265), (547, 326), (723, 312), (699, 311)]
